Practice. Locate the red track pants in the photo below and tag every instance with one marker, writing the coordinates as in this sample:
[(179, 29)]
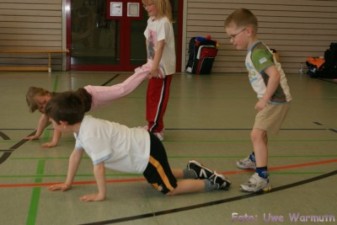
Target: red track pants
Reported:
[(157, 96)]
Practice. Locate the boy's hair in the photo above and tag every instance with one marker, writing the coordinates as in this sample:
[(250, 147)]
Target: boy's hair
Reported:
[(242, 18), (163, 6), (30, 95), (67, 106), (86, 98)]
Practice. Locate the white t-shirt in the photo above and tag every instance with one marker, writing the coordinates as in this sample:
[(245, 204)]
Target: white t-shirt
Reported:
[(119, 147), (158, 30)]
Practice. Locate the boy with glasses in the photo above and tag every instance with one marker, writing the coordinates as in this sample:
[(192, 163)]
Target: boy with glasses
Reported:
[(269, 82)]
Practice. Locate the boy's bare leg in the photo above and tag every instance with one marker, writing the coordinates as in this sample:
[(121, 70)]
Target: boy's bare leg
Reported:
[(188, 186), (178, 173), (260, 141)]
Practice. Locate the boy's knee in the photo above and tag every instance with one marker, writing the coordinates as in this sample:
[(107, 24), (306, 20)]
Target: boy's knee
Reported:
[(257, 134)]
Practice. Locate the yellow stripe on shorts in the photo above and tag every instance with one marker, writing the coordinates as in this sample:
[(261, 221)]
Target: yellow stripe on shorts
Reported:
[(162, 173)]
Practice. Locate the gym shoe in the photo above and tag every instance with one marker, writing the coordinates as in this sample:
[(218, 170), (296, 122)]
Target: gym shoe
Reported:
[(221, 182), (246, 163), (201, 171), (256, 184)]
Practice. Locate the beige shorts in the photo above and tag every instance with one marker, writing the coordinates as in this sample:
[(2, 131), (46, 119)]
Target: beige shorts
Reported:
[(271, 117)]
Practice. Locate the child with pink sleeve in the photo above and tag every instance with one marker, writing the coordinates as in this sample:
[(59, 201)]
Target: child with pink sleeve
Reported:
[(95, 96)]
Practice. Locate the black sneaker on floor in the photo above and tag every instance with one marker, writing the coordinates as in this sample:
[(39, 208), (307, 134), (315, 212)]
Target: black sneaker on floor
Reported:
[(221, 181), (201, 171)]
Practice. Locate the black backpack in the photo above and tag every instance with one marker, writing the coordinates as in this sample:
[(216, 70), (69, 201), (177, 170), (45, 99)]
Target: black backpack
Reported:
[(330, 57), (201, 54), (329, 68)]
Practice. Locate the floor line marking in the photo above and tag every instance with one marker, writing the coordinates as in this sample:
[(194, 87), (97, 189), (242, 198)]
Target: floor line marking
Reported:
[(111, 79), (325, 128), (6, 155), (212, 203), (234, 172), (240, 129), (4, 136), (36, 192), (205, 129), (285, 167)]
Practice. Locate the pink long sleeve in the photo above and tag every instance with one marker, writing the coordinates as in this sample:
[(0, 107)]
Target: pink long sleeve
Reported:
[(103, 95)]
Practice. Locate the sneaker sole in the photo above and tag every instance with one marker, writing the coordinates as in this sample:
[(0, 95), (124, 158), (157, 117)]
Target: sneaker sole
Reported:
[(244, 168), (265, 189)]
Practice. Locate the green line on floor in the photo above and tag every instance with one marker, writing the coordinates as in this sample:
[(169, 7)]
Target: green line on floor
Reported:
[(34, 203), (55, 83), (46, 135)]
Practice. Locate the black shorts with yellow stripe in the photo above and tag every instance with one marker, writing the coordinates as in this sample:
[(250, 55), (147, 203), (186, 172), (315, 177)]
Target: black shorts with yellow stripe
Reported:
[(158, 172)]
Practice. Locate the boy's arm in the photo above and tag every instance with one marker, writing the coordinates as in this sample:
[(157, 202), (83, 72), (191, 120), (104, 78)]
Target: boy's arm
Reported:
[(157, 57), (56, 137), (74, 162), (273, 82), (99, 172)]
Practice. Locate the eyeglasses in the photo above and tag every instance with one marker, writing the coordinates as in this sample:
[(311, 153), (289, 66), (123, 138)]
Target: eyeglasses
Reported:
[(233, 36)]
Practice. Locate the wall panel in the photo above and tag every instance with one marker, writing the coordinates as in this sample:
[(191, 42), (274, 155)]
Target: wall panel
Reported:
[(296, 28), (33, 24)]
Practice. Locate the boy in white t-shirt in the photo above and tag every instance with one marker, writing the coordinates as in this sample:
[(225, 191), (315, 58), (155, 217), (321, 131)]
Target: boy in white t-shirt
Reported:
[(115, 146)]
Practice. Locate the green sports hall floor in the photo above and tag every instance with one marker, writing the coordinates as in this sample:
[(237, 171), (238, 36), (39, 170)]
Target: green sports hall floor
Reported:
[(208, 119)]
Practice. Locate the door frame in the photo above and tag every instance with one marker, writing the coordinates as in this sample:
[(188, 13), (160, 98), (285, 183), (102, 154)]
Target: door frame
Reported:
[(124, 36)]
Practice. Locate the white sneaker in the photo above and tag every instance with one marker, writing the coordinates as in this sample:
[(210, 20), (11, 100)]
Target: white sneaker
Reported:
[(256, 184), (246, 163)]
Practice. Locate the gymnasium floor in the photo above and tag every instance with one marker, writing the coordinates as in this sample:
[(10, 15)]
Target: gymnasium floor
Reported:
[(209, 120)]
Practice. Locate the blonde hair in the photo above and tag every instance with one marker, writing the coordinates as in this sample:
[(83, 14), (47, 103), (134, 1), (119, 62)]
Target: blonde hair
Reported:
[(164, 8), (242, 18), (30, 97)]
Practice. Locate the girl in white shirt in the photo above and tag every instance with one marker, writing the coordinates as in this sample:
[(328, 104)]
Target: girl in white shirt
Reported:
[(160, 47)]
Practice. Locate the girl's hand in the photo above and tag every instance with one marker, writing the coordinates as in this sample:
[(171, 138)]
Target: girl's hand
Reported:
[(32, 137), (48, 145), (59, 187), (92, 197), (155, 73)]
